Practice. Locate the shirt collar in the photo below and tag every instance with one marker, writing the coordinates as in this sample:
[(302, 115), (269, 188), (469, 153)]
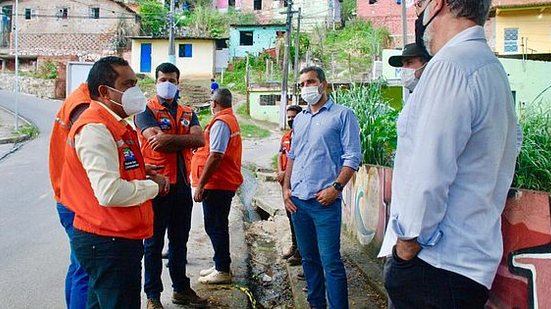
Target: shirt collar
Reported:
[(328, 104), (117, 117), (472, 33), (165, 103)]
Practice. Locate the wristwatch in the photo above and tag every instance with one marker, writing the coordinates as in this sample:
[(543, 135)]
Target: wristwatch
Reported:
[(338, 186)]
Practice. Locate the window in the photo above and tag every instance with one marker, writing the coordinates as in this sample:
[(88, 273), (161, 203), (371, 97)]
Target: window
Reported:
[(257, 5), (28, 14), (62, 13), (231, 3), (245, 38), (221, 44), (511, 40), (94, 13), (269, 99), (185, 51), (285, 3)]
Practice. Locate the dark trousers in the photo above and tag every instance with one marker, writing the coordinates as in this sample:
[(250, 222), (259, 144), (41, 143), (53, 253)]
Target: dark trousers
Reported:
[(417, 284), (293, 235), (172, 213), (114, 268), (216, 210)]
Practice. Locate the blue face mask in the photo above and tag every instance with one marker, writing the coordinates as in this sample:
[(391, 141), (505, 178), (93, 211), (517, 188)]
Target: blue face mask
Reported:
[(167, 90)]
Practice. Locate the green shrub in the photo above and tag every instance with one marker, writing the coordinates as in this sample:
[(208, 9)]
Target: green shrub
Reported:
[(533, 169), (377, 120)]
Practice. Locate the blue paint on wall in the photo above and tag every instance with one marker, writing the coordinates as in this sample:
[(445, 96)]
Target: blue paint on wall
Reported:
[(264, 37)]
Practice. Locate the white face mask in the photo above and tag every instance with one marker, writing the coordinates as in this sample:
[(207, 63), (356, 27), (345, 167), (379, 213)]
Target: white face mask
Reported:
[(311, 95), (167, 90), (427, 36), (133, 100), (408, 78)]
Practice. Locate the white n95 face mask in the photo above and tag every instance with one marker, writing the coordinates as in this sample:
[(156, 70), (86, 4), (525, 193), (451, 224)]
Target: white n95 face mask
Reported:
[(133, 100), (408, 78), (167, 90), (311, 94)]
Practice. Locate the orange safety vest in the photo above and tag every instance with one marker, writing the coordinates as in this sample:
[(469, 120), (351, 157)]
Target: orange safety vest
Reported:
[(228, 175), (60, 131), (169, 125), (133, 222), (285, 148)]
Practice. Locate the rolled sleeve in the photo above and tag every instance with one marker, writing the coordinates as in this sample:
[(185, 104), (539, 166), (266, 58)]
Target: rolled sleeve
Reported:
[(98, 154), (350, 140)]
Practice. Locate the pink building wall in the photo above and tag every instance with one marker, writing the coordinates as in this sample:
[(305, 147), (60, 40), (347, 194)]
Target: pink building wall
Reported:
[(387, 13)]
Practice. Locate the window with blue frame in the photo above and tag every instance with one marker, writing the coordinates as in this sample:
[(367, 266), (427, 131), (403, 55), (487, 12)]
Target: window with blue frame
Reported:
[(185, 51), (511, 40)]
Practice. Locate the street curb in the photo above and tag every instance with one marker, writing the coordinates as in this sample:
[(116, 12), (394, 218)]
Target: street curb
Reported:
[(15, 138)]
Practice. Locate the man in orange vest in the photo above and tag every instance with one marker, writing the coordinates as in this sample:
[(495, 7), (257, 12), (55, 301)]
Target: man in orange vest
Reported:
[(105, 183), (168, 132), (76, 281), (216, 175), (293, 255)]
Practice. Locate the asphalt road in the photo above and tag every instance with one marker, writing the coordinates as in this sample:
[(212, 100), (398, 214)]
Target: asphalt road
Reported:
[(33, 246)]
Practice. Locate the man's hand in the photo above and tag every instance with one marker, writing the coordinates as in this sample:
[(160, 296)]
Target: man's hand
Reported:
[(280, 177), (327, 196), (289, 205), (407, 249), (160, 141), (199, 194), (163, 182), (151, 169)]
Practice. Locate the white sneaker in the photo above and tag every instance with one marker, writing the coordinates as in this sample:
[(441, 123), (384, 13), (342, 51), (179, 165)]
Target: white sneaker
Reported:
[(206, 272), (216, 277)]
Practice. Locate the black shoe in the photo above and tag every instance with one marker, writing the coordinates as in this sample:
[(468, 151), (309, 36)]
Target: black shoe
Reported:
[(189, 297), (289, 253), (295, 260)]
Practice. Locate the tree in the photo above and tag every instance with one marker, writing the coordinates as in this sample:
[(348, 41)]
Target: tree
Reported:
[(153, 17)]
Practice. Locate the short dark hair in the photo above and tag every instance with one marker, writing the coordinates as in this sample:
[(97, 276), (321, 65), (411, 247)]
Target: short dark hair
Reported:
[(212, 79), (223, 96), (475, 10), (167, 67), (319, 72), (103, 73), (294, 108)]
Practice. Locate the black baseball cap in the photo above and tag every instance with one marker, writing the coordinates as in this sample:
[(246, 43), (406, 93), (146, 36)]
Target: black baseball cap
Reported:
[(410, 51)]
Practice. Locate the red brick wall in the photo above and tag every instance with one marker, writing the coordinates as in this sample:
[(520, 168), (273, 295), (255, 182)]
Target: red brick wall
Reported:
[(386, 13)]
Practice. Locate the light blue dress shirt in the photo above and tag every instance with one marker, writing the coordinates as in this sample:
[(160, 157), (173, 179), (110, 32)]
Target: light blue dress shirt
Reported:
[(455, 160), (321, 145)]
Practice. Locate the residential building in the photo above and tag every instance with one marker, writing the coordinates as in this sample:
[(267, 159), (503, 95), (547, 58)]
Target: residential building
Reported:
[(521, 26), (388, 14), (325, 13), (195, 56), (84, 29), (254, 39)]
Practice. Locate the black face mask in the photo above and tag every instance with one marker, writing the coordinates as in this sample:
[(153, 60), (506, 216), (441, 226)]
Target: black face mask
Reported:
[(290, 123), (420, 29)]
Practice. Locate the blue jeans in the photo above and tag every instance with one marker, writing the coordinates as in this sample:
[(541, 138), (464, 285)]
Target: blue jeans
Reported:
[(417, 284), (115, 268), (173, 213), (216, 210), (318, 231), (76, 281)]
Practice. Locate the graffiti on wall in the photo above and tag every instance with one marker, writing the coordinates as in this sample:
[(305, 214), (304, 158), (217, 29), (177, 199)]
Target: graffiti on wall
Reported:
[(523, 278)]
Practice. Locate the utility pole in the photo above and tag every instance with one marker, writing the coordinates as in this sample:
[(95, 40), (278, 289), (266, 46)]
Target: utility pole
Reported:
[(297, 51), (171, 43), (285, 73), (16, 45)]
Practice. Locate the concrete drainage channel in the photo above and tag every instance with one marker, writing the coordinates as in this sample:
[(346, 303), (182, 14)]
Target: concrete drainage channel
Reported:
[(268, 276)]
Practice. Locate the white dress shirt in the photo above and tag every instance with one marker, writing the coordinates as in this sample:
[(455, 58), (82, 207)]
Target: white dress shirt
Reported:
[(455, 160), (99, 156)]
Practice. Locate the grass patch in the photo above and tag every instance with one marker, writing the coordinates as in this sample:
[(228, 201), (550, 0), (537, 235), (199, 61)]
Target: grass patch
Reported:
[(28, 130), (251, 131), (204, 117), (242, 111), (274, 161)]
